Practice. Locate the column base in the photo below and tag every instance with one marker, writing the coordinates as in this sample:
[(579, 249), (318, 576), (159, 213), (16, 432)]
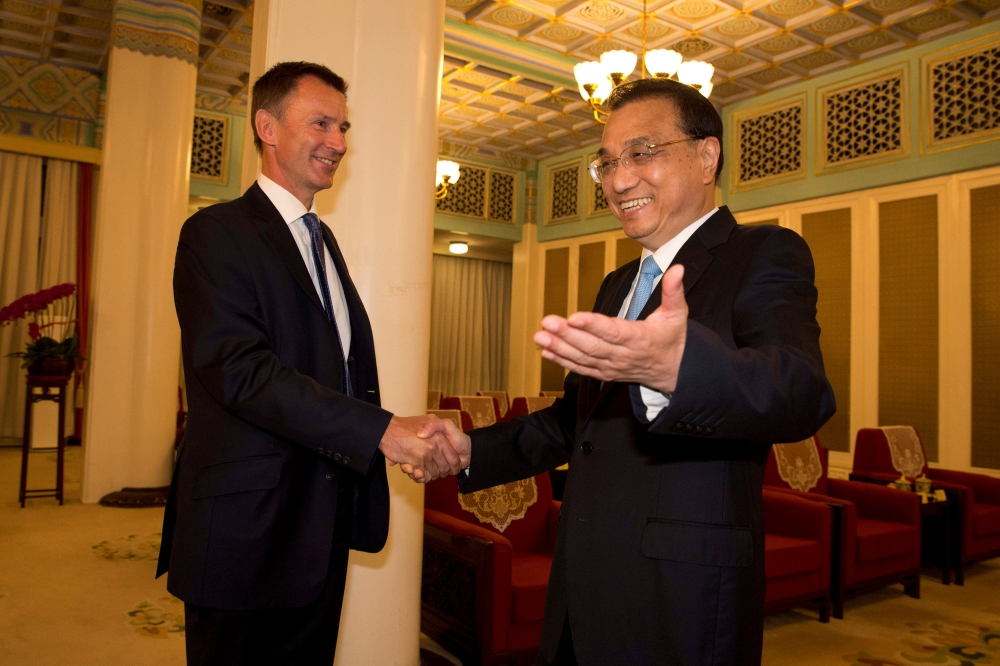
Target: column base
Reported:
[(136, 498)]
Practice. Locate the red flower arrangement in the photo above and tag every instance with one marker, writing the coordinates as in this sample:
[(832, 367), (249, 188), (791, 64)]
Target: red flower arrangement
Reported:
[(50, 308)]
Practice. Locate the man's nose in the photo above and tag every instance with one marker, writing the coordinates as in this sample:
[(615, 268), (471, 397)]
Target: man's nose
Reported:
[(623, 179), (337, 142)]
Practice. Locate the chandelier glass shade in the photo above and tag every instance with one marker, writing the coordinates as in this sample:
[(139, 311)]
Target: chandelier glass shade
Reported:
[(448, 174)]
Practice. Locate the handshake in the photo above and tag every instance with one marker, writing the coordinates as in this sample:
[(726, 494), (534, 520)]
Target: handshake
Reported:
[(425, 447)]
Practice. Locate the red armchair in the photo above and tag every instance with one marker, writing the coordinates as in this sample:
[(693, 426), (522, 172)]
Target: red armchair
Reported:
[(976, 520), (503, 402), (876, 530), (796, 553), (483, 594), (524, 406)]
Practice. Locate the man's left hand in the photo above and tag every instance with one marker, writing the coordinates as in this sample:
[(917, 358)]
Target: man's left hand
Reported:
[(646, 352)]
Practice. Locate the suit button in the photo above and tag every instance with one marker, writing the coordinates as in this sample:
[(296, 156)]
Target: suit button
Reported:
[(709, 430), (678, 426), (699, 429), (322, 451), (587, 447), (688, 427), (336, 456), (330, 476), (346, 460)]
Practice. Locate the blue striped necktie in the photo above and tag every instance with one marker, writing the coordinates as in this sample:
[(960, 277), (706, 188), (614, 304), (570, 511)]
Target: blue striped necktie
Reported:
[(647, 275), (316, 238)]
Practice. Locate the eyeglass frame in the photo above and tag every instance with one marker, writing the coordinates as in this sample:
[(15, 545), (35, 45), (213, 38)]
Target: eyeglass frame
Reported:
[(593, 167)]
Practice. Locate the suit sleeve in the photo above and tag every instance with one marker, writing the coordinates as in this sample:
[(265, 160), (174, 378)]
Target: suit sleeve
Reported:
[(772, 388), (224, 334)]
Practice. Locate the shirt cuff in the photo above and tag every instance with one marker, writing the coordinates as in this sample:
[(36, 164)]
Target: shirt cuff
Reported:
[(654, 400)]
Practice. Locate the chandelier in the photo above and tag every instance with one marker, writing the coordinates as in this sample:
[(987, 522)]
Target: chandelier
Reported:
[(447, 175), (598, 79)]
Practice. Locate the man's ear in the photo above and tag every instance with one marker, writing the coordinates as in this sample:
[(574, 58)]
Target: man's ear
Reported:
[(710, 151), (265, 122)]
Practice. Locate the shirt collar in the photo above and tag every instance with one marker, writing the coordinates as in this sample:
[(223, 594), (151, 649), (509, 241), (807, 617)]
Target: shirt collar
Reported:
[(665, 254), (290, 208)]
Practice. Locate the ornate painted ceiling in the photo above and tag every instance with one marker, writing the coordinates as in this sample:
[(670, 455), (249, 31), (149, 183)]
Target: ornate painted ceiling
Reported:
[(508, 88), (76, 33), (755, 46)]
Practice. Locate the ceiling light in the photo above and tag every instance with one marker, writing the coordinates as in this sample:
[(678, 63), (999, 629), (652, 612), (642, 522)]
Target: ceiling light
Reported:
[(662, 63), (447, 175), (458, 247)]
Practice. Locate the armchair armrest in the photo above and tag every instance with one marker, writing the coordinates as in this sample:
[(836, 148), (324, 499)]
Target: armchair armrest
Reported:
[(877, 503), (792, 515), (553, 524), (467, 578), (985, 489)]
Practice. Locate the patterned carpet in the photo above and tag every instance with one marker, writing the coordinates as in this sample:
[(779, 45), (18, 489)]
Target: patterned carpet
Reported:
[(77, 587)]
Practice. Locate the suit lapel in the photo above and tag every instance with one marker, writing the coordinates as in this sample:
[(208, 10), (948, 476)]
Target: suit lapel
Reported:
[(281, 237), (694, 255)]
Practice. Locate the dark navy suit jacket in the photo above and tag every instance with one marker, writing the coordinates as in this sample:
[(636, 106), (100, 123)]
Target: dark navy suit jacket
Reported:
[(271, 434), (660, 551)]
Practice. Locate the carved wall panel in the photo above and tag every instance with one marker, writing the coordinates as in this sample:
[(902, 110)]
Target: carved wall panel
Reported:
[(769, 144), (864, 121), (209, 148), (964, 97), (564, 193)]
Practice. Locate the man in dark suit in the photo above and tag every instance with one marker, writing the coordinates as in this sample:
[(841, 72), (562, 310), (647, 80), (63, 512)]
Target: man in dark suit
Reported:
[(281, 470), (671, 405)]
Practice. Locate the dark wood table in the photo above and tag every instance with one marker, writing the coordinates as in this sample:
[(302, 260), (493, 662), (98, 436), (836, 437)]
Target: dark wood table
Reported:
[(53, 388)]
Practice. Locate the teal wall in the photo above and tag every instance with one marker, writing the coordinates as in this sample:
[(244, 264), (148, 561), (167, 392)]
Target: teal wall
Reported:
[(231, 188), (917, 161)]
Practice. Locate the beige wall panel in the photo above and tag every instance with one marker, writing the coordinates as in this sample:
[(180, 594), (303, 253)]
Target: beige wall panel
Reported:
[(626, 250), (985, 226), (908, 317), (829, 237), (555, 301), (590, 275)]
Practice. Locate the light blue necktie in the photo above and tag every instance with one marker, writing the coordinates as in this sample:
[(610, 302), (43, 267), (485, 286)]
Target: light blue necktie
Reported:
[(647, 276), (312, 224)]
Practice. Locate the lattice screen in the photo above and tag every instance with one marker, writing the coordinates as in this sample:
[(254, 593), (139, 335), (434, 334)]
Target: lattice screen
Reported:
[(770, 144), (863, 121), (564, 196), (209, 146), (468, 195), (599, 202), (502, 196), (965, 95)]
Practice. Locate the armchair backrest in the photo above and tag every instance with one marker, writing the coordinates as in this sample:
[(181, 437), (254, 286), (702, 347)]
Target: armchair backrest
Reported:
[(503, 402), (456, 416), (482, 409), (890, 450), (433, 399), (499, 507), (800, 466)]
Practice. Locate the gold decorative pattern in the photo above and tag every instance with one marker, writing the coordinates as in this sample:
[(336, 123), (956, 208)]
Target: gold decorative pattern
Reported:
[(479, 409), (453, 415), (799, 465), (160, 619), (564, 193), (209, 148), (863, 121), (965, 96), (905, 449), (502, 196), (790, 7), (769, 144), (501, 398), (540, 402), (501, 505), (598, 202), (468, 195)]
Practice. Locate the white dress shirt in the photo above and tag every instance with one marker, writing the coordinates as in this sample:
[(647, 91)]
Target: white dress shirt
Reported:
[(654, 400), (292, 210)]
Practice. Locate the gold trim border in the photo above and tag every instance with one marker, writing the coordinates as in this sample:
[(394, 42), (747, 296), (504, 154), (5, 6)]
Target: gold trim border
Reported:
[(927, 145), (224, 178), (735, 186), (41, 148), (822, 93)]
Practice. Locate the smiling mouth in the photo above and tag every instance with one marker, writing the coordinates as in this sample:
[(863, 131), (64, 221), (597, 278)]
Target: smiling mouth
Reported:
[(634, 204), (326, 161)]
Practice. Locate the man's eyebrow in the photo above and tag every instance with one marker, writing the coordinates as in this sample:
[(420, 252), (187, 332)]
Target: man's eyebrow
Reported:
[(638, 140), (344, 126), (603, 152)]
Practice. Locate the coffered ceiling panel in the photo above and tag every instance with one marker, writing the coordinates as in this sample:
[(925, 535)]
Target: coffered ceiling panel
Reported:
[(76, 33)]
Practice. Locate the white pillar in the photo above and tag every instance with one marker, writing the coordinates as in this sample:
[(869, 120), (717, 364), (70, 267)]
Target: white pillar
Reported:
[(131, 409), (381, 209)]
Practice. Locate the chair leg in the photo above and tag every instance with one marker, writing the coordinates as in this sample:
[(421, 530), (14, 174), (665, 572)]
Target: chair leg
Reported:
[(838, 608), (912, 588), (960, 574), (824, 610)]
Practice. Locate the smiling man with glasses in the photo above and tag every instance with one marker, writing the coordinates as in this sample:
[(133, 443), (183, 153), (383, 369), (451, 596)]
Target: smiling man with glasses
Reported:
[(696, 358)]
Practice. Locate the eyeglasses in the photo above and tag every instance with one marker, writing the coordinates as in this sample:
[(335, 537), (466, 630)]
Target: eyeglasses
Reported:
[(632, 158)]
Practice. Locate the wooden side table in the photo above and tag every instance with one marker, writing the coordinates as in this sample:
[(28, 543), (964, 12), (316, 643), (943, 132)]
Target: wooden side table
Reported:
[(53, 389)]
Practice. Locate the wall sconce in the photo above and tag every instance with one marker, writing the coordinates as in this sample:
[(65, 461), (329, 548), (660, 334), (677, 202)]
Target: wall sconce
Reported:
[(447, 175)]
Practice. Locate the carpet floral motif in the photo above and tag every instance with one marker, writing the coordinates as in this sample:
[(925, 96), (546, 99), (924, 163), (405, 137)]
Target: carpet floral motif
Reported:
[(947, 644), (132, 547), (160, 619)]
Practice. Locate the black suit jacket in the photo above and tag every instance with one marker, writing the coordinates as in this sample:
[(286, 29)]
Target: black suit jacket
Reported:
[(270, 435), (660, 550)]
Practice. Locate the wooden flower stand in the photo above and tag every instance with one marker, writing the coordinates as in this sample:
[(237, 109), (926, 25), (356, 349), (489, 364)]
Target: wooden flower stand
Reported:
[(53, 388)]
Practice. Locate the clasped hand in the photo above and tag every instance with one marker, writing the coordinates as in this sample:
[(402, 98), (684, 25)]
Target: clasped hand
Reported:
[(646, 352), (425, 447)]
